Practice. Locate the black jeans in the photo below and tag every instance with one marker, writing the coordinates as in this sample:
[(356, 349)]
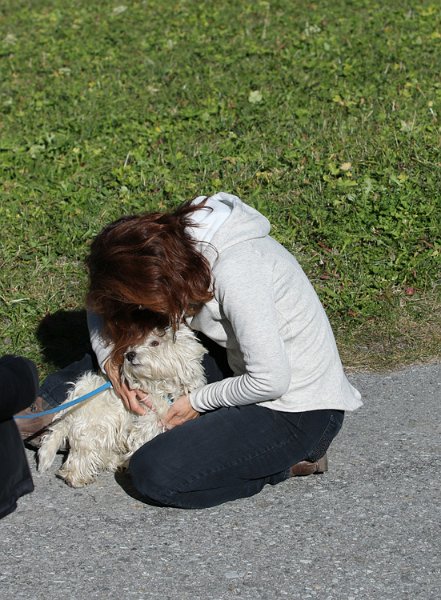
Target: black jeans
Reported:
[(229, 453), (56, 385)]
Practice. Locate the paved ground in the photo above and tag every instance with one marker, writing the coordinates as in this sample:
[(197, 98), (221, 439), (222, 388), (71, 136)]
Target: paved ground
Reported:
[(369, 529)]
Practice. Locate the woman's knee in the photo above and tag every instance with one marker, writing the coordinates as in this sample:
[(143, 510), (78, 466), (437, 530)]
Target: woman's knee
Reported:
[(151, 475)]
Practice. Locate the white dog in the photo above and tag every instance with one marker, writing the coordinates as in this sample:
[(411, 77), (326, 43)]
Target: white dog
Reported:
[(102, 434)]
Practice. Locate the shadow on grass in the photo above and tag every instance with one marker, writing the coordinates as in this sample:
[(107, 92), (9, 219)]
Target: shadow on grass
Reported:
[(64, 337)]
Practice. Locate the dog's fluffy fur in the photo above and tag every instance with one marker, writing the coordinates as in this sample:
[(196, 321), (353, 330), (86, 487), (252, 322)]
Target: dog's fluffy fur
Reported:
[(101, 433)]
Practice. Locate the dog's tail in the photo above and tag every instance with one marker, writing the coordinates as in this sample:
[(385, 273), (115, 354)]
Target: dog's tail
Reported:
[(51, 442)]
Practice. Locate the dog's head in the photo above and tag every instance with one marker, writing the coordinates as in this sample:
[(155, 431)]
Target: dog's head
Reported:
[(165, 355)]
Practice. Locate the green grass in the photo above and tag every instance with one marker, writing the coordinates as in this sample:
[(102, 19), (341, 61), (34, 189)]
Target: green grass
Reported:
[(323, 115)]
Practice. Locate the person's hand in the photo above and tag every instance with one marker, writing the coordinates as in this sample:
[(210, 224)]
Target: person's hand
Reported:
[(179, 412), (133, 400)]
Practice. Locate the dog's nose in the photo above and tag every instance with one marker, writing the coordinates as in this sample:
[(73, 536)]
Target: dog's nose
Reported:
[(130, 356)]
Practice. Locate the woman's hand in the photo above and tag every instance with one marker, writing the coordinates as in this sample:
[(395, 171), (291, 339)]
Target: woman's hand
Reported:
[(179, 412), (133, 400)]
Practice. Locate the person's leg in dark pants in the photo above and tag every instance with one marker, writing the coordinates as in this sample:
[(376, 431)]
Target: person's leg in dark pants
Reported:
[(56, 385), (228, 453), (18, 387)]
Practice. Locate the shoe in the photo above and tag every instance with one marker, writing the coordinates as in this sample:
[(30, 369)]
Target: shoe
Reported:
[(306, 467), (31, 430)]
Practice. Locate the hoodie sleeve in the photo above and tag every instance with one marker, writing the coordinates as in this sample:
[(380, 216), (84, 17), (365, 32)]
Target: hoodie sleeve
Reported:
[(244, 289), (101, 348)]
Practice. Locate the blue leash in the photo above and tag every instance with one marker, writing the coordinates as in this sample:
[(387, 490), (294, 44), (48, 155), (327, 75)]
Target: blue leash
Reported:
[(50, 411)]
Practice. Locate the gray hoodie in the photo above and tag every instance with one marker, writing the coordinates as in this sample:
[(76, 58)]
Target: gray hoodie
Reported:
[(266, 314)]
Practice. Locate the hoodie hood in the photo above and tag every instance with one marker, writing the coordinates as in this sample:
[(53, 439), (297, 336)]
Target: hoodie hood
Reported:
[(229, 222)]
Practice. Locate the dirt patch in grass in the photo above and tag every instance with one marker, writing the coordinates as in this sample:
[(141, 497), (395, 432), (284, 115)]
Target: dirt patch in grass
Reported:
[(414, 337)]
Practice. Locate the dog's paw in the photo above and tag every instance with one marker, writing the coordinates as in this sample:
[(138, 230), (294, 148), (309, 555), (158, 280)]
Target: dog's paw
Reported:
[(45, 458), (74, 480), (124, 465), (53, 441)]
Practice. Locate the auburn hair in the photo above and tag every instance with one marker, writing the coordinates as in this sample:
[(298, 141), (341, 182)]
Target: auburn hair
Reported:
[(145, 272)]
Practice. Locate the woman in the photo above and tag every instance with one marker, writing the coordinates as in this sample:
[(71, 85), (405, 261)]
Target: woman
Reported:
[(18, 388), (275, 408)]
